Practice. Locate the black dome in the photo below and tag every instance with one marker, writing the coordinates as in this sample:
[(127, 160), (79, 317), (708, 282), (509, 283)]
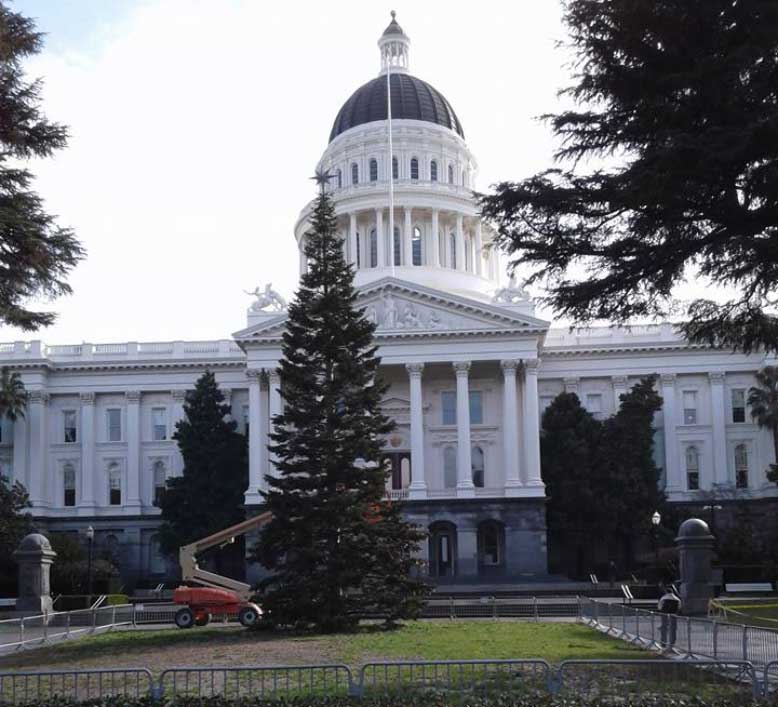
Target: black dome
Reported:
[(412, 99)]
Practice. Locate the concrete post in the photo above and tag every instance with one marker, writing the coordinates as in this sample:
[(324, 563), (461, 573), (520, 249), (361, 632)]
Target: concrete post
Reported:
[(695, 550), (34, 557)]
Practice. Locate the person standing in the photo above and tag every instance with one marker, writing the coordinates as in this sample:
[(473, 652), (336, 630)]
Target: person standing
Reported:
[(669, 606)]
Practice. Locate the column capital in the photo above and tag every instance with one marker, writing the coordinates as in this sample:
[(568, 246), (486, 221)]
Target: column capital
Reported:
[(414, 369), (461, 368), (273, 376), (133, 396), (38, 397), (668, 379), (87, 398), (716, 377), (178, 395), (509, 365), (619, 381), (254, 374), (531, 366)]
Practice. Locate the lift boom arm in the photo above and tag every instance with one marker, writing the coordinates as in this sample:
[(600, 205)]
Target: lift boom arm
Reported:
[(187, 557)]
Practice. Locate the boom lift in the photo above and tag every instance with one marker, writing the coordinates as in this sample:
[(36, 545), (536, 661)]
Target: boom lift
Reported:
[(218, 594)]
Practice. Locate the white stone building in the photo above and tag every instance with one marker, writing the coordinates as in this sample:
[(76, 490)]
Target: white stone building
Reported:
[(471, 369)]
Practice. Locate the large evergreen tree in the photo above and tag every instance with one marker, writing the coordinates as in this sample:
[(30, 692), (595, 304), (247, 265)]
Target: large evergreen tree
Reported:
[(15, 523), (209, 495), (336, 550), (35, 254), (763, 402), (668, 166)]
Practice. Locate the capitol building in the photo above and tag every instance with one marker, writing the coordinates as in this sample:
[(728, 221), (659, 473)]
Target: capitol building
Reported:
[(470, 367)]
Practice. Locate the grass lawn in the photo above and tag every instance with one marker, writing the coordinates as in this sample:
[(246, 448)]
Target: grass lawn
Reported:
[(225, 646)]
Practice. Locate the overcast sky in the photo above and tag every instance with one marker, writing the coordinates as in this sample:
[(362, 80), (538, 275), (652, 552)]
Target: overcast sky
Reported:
[(195, 126)]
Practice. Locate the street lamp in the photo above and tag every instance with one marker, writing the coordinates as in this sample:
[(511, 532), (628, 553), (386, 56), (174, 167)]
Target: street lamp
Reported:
[(713, 507), (90, 536), (656, 519)]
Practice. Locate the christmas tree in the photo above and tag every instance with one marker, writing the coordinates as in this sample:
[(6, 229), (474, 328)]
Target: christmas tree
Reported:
[(336, 549)]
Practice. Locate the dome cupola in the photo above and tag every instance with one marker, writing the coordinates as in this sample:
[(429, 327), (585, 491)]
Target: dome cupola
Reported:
[(394, 45)]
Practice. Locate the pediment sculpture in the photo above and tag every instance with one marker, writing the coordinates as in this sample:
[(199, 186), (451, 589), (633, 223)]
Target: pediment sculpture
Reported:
[(391, 314), (267, 299)]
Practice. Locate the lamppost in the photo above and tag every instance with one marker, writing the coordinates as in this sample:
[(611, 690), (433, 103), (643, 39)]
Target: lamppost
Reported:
[(90, 536), (656, 519), (713, 507)]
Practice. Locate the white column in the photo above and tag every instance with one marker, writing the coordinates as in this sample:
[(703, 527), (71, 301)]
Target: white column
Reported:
[(479, 261), (465, 487), (460, 243), (407, 236), (510, 428), (87, 450), (434, 247), (179, 396), (352, 238), (36, 411), (274, 394), (719, 420), (256, 453), (619, 389), (133, 448), (672, 468), (531, 424), (418, 487), (20, 472), (380, 237)]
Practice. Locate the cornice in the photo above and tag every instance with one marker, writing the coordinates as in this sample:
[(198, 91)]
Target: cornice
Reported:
[(147, 365), (569, 352)]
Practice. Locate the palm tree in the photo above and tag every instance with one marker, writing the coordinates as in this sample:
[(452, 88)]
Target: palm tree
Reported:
[(763, 402), (13, 396)]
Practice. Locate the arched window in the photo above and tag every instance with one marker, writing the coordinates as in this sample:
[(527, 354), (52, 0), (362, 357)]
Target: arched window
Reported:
[(397, 249), (692, 468), (452, 243), (114, 484), (373, 170), (491, 544), (741, 466), (451, 174), (373, 248), (395, 168), (354, 173), (450, 467), (156, 558), (359, 251), (160, 480), (477, 466), (433, 171), (414, 168), (416, 245), (69, 485), (339, 175)]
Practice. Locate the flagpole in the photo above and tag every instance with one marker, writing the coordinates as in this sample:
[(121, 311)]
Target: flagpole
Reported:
[(391, 159)]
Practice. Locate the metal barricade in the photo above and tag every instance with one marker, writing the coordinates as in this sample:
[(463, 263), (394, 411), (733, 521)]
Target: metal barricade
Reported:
[(23, 687), (256, 681)]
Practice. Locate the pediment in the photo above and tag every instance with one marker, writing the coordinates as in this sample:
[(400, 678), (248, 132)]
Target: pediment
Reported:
[(404, 309)]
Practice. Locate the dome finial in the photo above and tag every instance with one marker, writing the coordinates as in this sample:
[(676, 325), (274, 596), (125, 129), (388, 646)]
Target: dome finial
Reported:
[(393, 14), (394, 45)]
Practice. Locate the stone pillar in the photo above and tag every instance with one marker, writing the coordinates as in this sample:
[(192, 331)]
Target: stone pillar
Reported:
[(407, 237), (619, 389), (434, 242), (695, 551), (465, 486), (531, 424), (460, 243), (418, 487), (510, 428), (133, 449), (672, 470), (352, 238), (37, 401), (34, 557), (20, 473), (256, 452), (87, 450), (275, 405), (719, 422), (479, 261), (380, 237)]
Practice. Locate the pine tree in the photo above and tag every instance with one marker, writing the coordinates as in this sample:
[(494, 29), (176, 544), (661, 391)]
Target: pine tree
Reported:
[(336, 550), (209, 495), (667, 167), (35, 253)]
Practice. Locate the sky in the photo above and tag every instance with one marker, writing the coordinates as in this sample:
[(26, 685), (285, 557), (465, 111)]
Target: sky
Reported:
[(195, 126)]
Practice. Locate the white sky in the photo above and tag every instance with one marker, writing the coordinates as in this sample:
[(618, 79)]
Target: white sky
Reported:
[(195, 126)]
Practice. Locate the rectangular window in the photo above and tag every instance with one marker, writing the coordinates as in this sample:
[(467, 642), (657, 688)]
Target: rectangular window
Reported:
[(594, 403), (114, 422), (69, 484), (476, 407), (69, 425), (114, 486), (689, 407), (448, 399), (741, 466), (246, 420), (739, 405), (158, 424)]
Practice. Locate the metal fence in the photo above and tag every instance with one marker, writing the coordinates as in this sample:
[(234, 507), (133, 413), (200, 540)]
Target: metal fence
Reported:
[(688, 636), (457, 680)]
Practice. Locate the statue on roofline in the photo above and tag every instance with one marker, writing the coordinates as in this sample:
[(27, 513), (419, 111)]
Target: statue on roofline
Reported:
[(266, 299)]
